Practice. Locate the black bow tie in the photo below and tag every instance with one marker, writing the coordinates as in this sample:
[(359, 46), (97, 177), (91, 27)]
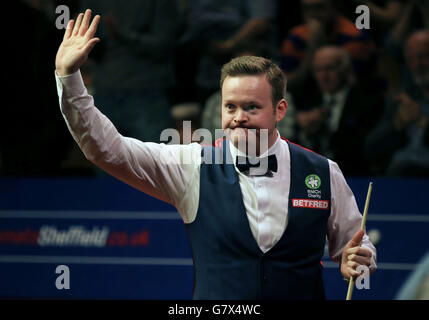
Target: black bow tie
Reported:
[(243, 163)]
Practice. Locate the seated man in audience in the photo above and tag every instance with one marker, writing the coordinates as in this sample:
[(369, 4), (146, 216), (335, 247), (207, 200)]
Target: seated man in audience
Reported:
[(400, 142), (323, 25), (335, 119)]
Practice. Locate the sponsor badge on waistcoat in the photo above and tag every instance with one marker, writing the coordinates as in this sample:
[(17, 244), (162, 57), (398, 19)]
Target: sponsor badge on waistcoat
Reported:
[(313, 183)]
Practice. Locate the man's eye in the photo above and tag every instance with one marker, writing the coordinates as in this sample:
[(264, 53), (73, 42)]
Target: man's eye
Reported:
[(252, 107), (230, 106)]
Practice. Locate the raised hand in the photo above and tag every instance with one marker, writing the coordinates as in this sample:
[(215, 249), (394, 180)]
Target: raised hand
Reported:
[(77, 43)]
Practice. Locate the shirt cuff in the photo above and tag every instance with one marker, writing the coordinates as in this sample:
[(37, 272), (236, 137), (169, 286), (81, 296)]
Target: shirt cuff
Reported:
[(373, 265), (70, 85)]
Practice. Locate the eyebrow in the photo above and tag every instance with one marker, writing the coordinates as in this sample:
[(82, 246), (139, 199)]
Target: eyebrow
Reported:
[(246, 103)]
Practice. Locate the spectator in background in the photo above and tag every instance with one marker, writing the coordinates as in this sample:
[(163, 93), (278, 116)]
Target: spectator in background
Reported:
[(414, 16), (383, 15), (220, 29), (335, 119), (324, 25), (211, 117), (135, 65), (401, 141)]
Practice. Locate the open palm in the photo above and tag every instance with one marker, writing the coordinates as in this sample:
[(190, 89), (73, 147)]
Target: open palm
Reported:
[(77, 43)]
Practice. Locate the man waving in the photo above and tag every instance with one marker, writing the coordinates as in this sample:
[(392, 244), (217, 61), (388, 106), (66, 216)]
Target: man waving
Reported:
[(250, 237)]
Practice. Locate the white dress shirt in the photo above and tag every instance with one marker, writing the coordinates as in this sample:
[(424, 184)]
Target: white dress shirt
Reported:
[(159, 170)]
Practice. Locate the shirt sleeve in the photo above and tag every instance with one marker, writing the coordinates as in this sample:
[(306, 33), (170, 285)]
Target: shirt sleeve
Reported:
[(159, 170), (345, 219)]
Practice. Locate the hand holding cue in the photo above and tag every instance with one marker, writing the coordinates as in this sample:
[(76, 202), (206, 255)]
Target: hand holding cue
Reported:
[(365, 212)]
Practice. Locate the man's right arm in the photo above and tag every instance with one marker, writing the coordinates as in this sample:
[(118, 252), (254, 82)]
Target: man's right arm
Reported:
[(156, 169)]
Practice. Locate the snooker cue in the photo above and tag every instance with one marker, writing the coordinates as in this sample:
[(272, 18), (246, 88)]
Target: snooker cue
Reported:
[(365, 212)]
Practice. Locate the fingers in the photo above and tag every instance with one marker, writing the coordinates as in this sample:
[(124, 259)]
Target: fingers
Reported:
[(366, 261), (352, 272), (357, 238), (355, 269), (358, 256), (90, 44), (92, 28), (80, 27), (69, 30), (360, 251), (77, 24), (356, 266), (85, 22)]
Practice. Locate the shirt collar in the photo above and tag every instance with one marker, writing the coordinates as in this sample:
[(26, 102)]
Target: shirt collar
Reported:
[(274, 149)]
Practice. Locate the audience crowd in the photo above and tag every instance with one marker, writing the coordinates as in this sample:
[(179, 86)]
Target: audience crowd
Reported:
[(357, 96)]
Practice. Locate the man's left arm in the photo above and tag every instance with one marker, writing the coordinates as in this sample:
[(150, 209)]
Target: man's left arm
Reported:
[(348, 245)]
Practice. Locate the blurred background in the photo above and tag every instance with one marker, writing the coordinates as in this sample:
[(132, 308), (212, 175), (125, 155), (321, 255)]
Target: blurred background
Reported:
[(358, 96)]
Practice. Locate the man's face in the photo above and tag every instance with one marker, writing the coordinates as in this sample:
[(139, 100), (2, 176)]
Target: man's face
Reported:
[(320, 10), (327, 71), (247, 104), (418, 59)]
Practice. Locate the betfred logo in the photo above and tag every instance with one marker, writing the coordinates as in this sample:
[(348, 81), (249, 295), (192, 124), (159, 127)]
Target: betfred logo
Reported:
[(314, 204)]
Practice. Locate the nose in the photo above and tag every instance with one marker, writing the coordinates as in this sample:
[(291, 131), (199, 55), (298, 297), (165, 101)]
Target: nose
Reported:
[(240, 116)]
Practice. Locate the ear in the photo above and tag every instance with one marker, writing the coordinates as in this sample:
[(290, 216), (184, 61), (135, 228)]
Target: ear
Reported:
[(281, 108)]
